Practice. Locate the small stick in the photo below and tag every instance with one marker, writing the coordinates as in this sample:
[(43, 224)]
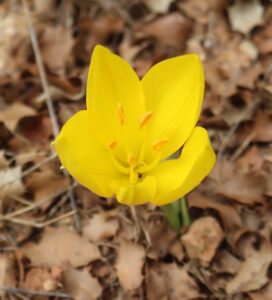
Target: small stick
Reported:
[(12, 290), (49, 102), (41, 224)]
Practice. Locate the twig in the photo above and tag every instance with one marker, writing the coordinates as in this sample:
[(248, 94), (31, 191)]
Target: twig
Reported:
[(35, 293), (30, 170), (33, 206), (41, 224), (36, 49), (49, 102)]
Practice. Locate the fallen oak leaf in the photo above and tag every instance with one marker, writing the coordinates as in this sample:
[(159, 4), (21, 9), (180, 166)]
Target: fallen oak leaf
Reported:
[(100, 226), (169, 281), (203, 239), (81, 284), (252, 274), (61, 247), (245, 15), (12, 114), (129, 264)]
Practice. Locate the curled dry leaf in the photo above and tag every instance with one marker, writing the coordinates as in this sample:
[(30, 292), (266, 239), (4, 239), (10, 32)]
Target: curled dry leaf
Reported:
[(172, 29), (129, 264), (202, 240), (56, 46), (252, 274), (263, 294), (169, 281), (245, 15), (14, 113), (11, 182), (47, 185), (13, 43), (7, 275), (100, 226), (61, 247), (158, 6), (39, 279), (81, 284), (228, 213), (244, 188)]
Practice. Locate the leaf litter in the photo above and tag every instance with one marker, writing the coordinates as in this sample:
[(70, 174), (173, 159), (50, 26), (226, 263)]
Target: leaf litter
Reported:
[(59, 240)]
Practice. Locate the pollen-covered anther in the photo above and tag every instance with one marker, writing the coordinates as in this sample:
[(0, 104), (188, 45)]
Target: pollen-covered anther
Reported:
[(144, 118), (112, 144), (131, 159), (159, 144), (120, 113)]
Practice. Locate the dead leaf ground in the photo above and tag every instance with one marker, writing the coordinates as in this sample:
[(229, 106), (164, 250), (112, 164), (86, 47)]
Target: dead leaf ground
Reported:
[(60, 241)]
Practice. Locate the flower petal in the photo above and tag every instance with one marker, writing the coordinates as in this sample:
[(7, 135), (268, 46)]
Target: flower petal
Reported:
[(174, 92), (115, 100), (177, 177), (139, 193), (86, 159)]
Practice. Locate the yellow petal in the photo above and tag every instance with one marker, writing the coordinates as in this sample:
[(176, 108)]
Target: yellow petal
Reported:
[(177, 177), (174, 92), (115, 100), (139, 193), (86, 159)]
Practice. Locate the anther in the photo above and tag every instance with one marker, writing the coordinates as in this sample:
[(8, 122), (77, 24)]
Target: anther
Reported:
[(144, 118), (111, 144), (120, 113), (159, 144), (131, 159), (62, 167)]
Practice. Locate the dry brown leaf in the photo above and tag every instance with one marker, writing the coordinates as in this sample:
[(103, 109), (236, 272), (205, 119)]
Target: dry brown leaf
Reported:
[(61, 247), (129, 264), (39, 279), (245, 15), (81, 284), (7, 275), (161, 236), (228, 213), (225, 262), (252, 274), (262, 294), (56, 46), (172, 29), (14, 113), (3, 161), (37, 129), (100, 226), (158, 6), (14, 41), (244, 188), (203, 239), (263, 39), (47, 185), (263, 127), (11, 182), (169, 281)]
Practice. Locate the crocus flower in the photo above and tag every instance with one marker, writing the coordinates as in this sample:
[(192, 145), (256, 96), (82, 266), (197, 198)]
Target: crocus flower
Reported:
[(122, 143)]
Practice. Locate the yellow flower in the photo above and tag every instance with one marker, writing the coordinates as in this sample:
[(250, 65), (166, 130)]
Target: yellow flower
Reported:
[(121, 143)]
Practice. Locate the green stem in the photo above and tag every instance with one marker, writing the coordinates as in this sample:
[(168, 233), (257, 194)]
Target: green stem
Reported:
[(186, 221), (172, 216)]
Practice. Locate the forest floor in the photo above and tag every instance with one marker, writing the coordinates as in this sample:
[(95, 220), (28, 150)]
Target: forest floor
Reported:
[(59, 240)]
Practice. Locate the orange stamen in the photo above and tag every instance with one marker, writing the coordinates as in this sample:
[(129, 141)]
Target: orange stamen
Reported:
[(112, 144), (131, 159), (144, 118), (120, 113), (159, 144)]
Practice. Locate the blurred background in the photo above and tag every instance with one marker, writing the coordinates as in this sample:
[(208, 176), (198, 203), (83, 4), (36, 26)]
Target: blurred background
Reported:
[(60, 241)]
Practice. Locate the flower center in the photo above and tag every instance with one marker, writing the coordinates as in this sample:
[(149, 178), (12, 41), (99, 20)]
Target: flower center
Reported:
[(134, 166)]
